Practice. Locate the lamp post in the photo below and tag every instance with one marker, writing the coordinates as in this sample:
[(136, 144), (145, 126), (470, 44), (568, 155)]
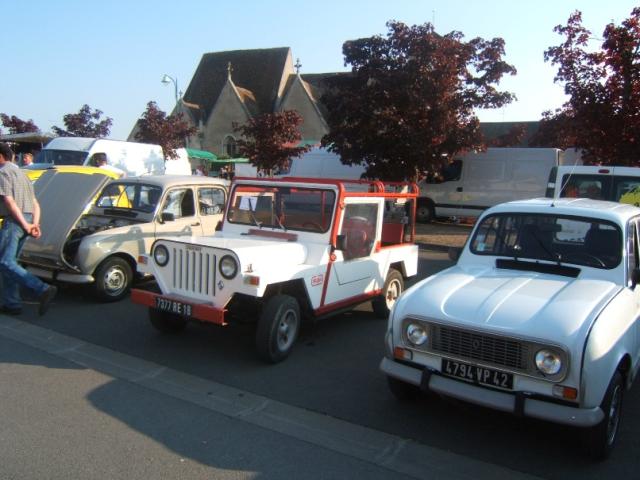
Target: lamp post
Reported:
[(166, 79)]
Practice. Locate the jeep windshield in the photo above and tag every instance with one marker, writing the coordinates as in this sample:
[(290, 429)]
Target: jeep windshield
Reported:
[(284, 208), (127, 198), (561, 239)]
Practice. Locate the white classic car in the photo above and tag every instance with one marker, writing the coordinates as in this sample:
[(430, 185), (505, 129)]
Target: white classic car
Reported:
[(94, 229), (287, 248), (538, 318)]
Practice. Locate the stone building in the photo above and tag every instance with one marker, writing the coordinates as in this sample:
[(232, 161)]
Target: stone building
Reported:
[(231, 87)]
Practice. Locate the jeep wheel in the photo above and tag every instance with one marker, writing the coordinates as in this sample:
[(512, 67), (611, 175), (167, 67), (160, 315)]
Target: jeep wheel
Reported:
[(401, 390), (166, 322), (602, 437), (278, 328), (393, 287), (113, 279)]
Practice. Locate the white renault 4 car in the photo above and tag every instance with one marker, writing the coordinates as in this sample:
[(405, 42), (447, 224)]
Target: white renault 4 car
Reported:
[(538, 318), (288, 249)]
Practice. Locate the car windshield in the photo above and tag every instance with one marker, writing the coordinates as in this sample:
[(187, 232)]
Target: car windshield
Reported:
[(564, 239), (61, 157), (140, 197), (285, 208)]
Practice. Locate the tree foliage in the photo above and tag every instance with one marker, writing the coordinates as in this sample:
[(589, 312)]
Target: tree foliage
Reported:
[(271, 140), (410, 97), (602, 114), (85, 123), (17, 125), (512, 138), (170, 132)]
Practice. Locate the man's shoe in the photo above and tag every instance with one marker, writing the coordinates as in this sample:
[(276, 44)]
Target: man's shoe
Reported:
[(45, 299), (10, 311)]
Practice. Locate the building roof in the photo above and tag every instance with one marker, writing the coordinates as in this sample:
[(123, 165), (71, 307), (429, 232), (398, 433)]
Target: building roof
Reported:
[(256, 71)]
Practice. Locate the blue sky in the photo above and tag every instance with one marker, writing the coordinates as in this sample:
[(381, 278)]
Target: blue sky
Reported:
[(111, 55)]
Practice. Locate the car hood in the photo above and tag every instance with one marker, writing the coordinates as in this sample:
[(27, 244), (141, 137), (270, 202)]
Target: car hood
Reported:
[(508, 302)]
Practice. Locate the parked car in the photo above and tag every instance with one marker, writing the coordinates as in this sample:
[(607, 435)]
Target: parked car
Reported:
[(539, 317), (98, 242), (287, 249)]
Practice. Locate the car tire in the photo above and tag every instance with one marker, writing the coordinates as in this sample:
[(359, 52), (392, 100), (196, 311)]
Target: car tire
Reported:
[(601, 438), (278, 328), (113, 277), (403, 391), (166, 322), (426, 212), (392, 289)]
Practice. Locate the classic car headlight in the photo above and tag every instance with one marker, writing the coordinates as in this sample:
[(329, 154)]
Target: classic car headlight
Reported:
[(161, 255), (417, 333), (548, 362), (228, 267)]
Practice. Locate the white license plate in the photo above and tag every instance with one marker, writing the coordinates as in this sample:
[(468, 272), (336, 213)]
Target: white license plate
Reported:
[(479, 375), (173, 306)]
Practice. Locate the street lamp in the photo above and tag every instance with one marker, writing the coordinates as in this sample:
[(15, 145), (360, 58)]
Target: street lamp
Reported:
[(166, 79)]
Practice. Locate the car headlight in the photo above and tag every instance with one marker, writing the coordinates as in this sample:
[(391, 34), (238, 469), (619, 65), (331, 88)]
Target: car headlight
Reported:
[(548, 362), (161, 255), (417, 333), (228, 267)]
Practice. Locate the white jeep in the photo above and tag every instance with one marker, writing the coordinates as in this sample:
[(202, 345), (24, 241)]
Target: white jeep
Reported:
[(538, 318), (287, 249)]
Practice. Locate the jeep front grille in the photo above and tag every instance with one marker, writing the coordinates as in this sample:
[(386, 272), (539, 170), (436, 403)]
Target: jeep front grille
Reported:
[(193, 272), (494, 350)]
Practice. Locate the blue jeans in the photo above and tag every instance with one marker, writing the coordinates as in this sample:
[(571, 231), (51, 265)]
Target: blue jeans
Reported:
[(13, 276)]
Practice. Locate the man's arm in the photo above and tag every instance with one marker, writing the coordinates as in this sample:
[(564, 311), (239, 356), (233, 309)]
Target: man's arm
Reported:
[(16, 213)]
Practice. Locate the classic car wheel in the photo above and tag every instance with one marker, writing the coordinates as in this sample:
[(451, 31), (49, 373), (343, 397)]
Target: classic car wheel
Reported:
[(278, 328), (393, 287), (401, 390), (602, 437), (166, 322), (113, 279)]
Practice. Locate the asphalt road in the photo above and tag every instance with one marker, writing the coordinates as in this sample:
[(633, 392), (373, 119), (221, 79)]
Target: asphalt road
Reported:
[(334, 371)]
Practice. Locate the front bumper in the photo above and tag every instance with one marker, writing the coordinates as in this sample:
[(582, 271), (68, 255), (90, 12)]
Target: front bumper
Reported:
[(198, 311), (506, 402)]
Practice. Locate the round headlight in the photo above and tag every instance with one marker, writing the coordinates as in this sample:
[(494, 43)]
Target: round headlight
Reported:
[(161, 255), (548, 362), (228, 267), (417, 334)]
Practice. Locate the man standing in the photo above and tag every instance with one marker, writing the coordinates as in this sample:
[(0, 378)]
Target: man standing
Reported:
[(20, 213)]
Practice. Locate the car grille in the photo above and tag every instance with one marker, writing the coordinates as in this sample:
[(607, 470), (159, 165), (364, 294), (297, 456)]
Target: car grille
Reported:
[(489, 349), (193, 272)]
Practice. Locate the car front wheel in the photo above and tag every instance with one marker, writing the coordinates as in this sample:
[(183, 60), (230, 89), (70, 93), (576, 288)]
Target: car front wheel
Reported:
[(602, 437), (278, 328), (113, 279)]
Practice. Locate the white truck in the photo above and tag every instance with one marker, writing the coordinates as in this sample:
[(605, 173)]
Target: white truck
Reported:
[(476, 181), (287, 249), (134, 159)]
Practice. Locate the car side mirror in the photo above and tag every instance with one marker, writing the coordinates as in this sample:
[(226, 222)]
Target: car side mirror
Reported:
[(635, 277), (454, 253), (341, 242), (167, 217)]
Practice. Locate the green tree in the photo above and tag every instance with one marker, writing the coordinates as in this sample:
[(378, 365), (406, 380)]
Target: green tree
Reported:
[(409, 100), (170, 132), (271, 140), (85, 123), (603, 85)]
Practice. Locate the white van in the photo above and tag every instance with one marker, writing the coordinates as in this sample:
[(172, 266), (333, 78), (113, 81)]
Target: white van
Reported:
[(133, 158), (617, 184), (477, 181)]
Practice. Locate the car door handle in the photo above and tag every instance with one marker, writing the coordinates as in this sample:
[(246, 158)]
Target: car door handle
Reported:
[(195, 224), (459, 189)]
